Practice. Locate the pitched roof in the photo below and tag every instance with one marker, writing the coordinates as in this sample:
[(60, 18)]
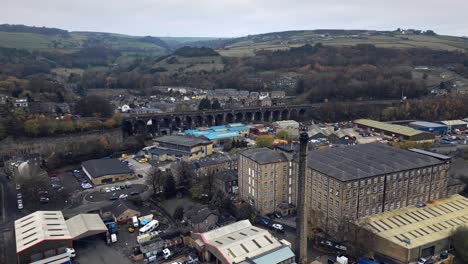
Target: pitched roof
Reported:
[(397, 129), (198, 213), (366, 160), (426, 124), (421, 225), (84, 225), (264, 155), (182, 141), (118, 207), (454, 122), (228, 175), (239, 241), (101, 167), (40, 226)]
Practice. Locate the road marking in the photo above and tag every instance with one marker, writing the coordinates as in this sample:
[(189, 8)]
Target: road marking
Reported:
[(3, 203)]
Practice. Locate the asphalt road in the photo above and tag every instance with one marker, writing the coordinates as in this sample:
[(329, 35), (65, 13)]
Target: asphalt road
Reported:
[(98, 194)]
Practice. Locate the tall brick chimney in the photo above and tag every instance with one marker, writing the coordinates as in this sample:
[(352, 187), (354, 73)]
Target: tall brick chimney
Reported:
[(301, 220)]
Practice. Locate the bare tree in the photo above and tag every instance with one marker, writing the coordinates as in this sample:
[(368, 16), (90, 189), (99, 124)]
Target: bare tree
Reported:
[(156, 180)]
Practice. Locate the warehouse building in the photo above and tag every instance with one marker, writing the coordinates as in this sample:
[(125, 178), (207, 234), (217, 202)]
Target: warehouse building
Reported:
[(241, 242), (394, 131), (45, 234), (435, 128), (290, 126), (362, 180), (407, 234), (103, 171), (183, 147), (220, 134), (455, 125)]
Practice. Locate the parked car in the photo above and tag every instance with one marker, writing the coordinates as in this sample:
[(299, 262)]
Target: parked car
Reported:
[(44, 200), (19, 196), (420, 204), (123, 196), (107, 189), (166, 253), (134, 193), (43, 193), (140, 176), (112, 189), (278, 227), (113, 198), (86, 185), (18, 187), (20, 204)]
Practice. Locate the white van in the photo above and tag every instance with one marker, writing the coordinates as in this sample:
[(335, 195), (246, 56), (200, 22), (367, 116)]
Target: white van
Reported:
[(135, 221)]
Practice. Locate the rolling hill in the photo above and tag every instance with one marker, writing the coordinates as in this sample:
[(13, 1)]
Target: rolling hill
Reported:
[(246, 46)]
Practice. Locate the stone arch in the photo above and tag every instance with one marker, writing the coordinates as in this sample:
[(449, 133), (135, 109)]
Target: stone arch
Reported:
[(178, 123), (188, 122), (239, 117), (249, 117), (293, 114), (210, 120), (199, 121), (127, 127), (229, 118), (276, 115), (266, 116), (258, 116), (140, 127), (219, 119), (302, 112), (284, 114)]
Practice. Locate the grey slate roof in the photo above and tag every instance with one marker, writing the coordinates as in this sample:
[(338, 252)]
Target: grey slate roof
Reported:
[(102, 167), (119, 207), (226, 176), (183, 141), (366, 160), (264, 155), (214, 159)]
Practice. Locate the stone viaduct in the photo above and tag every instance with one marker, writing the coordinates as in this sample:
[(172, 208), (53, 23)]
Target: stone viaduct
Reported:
[(165, 123)]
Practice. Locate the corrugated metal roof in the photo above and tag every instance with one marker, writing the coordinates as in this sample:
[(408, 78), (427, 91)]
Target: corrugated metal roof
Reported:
[(420, 226), (274, 256), (397, 129), (454, 122), (221, 135), (426, 124)]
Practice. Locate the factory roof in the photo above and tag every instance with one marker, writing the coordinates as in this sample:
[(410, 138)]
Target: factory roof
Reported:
[(264, 155), (412, 227), (221, 135), (40, 226), (427, 124), (84, 225), (432, 154), (366, 160), (397, 129), (277, 255), (102, 167), (238, 241), (454, 122), (182, 141)]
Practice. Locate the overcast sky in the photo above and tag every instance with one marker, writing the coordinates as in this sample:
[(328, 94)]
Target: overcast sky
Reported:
[(233, 18)]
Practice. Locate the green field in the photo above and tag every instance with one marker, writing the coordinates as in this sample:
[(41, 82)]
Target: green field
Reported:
[(276, 41)]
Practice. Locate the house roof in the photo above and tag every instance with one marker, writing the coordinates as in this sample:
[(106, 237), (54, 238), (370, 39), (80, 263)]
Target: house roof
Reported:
[(84, 225), (227, 175), (40, 226), (264, 155), (118, 207), (182, 141), (366, 160), (420, 226), (397, 129), (214, 159), (102, 167), (198, 213), (238, 241)]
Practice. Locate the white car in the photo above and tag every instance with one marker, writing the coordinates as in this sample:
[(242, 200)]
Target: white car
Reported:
[(166, 253), (20, 204), (277, 227), (86, 186), (117, 188), (107, 189), (112, 189), (71, 252), (123, 196)]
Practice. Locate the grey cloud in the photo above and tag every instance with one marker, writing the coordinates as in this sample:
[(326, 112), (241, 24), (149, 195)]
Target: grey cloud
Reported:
[(230, 18)]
